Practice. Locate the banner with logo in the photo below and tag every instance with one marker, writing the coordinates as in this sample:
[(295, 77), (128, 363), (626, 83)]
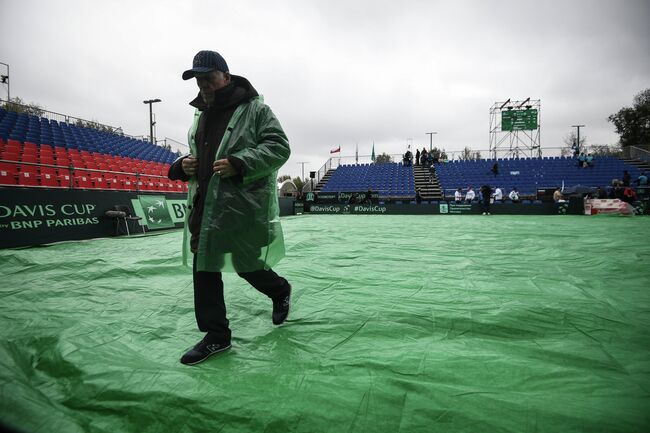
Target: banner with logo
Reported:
[(155, 211), (443, 208), (31, 216)]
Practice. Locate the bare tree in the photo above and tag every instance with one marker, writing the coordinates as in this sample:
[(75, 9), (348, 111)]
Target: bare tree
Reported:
[(468, 154), (19, 106), (569, 143), (383, 158)]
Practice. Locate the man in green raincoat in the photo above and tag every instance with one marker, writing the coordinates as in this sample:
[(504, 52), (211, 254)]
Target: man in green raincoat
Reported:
[(233, 223)]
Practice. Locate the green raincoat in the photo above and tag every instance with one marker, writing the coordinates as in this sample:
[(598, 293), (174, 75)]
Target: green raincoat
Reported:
[(240, 229)]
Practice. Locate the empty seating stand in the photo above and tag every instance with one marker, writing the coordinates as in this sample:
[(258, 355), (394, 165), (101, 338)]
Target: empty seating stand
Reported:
[(529, 174), (38, 152), (525, 174), (388, 179)]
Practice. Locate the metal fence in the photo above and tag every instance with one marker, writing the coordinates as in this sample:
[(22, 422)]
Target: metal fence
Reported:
[(59, 117), (454, 155), (637, 153)]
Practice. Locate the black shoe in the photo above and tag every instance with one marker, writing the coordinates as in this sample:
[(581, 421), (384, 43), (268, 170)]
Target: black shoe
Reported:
[(202, 351), (281, 307)]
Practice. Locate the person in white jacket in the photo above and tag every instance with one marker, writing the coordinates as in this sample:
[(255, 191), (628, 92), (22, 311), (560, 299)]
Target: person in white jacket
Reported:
[(458, 196), (498, 194), (514, 195), (470, 196)]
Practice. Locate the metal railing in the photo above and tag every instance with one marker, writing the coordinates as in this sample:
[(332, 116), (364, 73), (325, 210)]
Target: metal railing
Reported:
[(453, 155), (635, 152), (70, 169), (59, 117)]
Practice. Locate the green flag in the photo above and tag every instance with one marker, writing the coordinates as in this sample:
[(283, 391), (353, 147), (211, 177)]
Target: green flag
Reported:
[(373, 152), (155, 211)]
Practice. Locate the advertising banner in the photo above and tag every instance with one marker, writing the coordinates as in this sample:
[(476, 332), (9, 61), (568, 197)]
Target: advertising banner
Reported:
[(339, 197), (30, 216), (444, 209), (157, 214)]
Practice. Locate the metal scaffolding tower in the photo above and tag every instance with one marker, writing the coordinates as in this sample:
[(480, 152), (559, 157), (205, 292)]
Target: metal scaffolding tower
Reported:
[(515, 129)]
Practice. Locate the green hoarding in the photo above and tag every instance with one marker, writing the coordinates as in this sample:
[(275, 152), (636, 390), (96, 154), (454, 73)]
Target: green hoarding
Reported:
[(518, 120)]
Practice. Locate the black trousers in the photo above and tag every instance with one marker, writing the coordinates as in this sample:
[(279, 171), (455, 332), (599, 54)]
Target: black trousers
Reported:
[(209, 305)]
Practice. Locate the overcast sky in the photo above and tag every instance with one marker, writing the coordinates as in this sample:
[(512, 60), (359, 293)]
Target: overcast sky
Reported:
[(337, 73)]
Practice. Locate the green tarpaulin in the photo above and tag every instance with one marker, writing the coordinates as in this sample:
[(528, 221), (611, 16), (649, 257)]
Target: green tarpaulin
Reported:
[(399, 324)]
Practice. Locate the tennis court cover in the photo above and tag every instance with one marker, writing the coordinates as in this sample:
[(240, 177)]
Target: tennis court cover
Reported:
[(399, 324)]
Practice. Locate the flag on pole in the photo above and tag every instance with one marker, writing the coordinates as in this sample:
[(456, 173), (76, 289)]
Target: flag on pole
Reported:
[(337, 150), (356, 154), (373, 152)]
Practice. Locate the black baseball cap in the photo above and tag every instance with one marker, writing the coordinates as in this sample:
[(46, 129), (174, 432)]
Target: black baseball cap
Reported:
[(206, 61)]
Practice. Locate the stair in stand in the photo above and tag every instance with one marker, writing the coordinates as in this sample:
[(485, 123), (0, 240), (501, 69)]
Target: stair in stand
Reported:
[(324, 180), (429, 190)]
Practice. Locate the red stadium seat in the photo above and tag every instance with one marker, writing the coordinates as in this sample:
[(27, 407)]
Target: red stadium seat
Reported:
[(100, 182), (64, 180), (29, 157), (47, 160), (10, 155), (8, 174), (14, 144), (83, 182), (29, 146), (129, 183), (49, 178), (148, 184), (28, 178), (46, 148)]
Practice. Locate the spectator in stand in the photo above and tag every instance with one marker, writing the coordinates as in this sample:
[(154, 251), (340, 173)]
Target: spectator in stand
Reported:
[(576, 149), (458, 196), (557, 196), (417, 157), (486, 197), (432, 173), (498, 194), (629, 195), (495, 169), (408, 159), (589, 161), (418, 197), (423, 156), (601, 193), (581, 160), (471, 195), (642, 180), (514, 195), (626, 178), (430, 159)]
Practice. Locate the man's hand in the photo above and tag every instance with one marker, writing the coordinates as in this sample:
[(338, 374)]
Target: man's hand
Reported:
[(223, 168), (190, 165)]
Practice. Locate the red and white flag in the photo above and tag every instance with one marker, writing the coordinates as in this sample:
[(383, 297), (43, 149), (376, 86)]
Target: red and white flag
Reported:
[(337, 150)]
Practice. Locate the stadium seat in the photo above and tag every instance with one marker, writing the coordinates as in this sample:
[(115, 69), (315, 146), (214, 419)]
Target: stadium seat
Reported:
[(83, 182), (99, 182), (49, 178), (8, 174), (28, 178)]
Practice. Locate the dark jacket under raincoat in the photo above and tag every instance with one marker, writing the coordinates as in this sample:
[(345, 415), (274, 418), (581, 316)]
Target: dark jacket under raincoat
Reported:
[(240, 228)]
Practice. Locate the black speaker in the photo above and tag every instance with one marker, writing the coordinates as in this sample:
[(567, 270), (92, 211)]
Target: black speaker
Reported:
[(312, 174)]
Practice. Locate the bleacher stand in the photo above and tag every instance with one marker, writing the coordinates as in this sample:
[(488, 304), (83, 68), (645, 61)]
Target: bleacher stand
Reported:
[(389, 179), (528, 174), (38, 152)]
